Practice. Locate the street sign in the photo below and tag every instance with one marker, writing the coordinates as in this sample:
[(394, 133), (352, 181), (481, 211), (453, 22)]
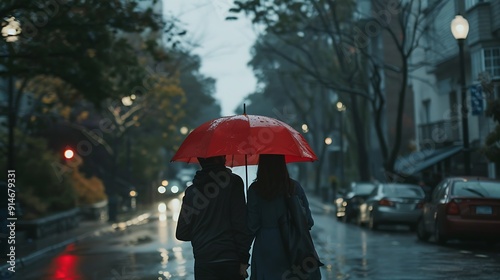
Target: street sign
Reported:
[(476, 99)]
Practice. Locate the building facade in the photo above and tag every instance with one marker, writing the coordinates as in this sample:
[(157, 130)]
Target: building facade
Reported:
[(437, 87)]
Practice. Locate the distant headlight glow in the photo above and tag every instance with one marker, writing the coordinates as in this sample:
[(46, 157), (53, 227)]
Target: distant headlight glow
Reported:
[(174, 189), (161, 189), (162, 207)]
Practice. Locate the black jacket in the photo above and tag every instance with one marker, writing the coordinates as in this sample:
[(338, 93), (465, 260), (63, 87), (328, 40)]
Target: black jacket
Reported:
[(213, 217)]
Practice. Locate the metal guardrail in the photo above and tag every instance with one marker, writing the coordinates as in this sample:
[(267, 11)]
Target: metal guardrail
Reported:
[(51, 224)]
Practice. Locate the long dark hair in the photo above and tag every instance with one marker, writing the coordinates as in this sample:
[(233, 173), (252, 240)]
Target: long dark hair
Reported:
[(272, 177)]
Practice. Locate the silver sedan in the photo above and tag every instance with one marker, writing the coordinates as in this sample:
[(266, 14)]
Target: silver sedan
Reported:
[(392, 203)]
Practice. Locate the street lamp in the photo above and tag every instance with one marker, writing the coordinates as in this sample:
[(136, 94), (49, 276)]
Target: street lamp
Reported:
[(184, 130), (460, 29), (127, 101), (341, 108), (305, 128), (11, 28)]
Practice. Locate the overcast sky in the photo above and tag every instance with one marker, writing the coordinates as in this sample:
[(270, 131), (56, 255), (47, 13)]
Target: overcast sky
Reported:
[(224, 47)]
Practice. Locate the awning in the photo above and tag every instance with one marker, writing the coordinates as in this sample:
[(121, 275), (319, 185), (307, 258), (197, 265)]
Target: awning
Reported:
[(420, 160)]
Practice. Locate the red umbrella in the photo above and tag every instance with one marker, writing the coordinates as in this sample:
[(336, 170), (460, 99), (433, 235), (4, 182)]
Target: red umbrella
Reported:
[(241, 138)]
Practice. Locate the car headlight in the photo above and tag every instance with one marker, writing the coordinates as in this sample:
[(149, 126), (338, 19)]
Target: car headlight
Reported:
[(174, 189)]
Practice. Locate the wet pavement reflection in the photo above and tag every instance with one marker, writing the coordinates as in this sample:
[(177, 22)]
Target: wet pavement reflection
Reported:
[(146, 248)]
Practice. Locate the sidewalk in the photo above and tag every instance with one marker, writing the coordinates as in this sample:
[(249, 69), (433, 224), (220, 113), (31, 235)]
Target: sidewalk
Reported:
[(32, 250), (317, 201)]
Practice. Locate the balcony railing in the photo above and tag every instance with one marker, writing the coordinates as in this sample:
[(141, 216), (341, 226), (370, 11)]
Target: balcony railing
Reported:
[(441, 133)]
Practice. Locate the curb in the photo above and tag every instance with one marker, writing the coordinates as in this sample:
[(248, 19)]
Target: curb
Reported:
[(26, 260)]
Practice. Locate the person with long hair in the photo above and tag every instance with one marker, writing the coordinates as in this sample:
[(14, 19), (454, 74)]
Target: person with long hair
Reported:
[(266, 204)]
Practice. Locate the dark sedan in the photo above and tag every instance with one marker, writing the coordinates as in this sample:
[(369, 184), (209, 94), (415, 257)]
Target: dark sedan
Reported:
[(348, 205), (392, 203), (462, 208)]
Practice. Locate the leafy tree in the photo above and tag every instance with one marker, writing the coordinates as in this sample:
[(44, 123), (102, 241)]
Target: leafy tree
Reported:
[(200, 103), (78, 41), (81, 43), (88, 190), (77, 59), (42, 190)]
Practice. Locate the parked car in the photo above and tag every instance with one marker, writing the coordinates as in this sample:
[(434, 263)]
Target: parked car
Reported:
[(392, 203), (348, 205), (462, 208)]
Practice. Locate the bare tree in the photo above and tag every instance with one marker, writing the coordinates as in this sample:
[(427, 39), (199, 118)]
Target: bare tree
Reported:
[(348, 61)]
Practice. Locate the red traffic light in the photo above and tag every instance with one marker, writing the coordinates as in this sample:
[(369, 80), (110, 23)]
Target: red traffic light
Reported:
[(69, 154)]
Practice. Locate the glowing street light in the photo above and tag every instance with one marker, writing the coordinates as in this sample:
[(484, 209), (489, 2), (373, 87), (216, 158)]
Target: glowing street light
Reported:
[(328, 140), (127, 101), (459, 27), (184, 130), (11, 28), (340, 106), (305, 128)]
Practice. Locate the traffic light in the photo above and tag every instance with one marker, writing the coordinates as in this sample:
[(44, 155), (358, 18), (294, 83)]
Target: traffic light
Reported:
[(70, 157), (68, 153)]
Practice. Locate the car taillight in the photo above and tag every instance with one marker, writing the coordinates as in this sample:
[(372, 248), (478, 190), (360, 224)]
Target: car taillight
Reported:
[(452, 208), (420, 205), (385, 202)]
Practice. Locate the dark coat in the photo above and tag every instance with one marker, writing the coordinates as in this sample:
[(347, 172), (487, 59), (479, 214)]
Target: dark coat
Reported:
[(269, 260), (213, 217)]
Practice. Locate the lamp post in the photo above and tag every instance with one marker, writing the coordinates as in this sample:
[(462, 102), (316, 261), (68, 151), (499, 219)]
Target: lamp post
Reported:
[(128, 101), (10, 31), (341, 108), (460, 29)]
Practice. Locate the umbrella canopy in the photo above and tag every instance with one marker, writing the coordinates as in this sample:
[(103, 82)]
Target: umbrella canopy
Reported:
[(242, 138)]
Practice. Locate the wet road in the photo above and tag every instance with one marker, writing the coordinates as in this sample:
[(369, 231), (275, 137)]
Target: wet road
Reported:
[(147, 249)]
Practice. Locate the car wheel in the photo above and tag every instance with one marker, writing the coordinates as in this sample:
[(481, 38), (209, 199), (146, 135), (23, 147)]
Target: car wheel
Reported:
[(346, 219), (358, 221), (438, 236), (422, 234), (372, 224)]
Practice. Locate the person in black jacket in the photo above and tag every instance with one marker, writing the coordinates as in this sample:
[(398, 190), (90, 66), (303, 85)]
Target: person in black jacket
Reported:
[(213, 218)]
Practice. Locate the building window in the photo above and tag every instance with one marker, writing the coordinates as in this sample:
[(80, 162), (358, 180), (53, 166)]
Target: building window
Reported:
[(427, 111), (491, 60), (471, 3)]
